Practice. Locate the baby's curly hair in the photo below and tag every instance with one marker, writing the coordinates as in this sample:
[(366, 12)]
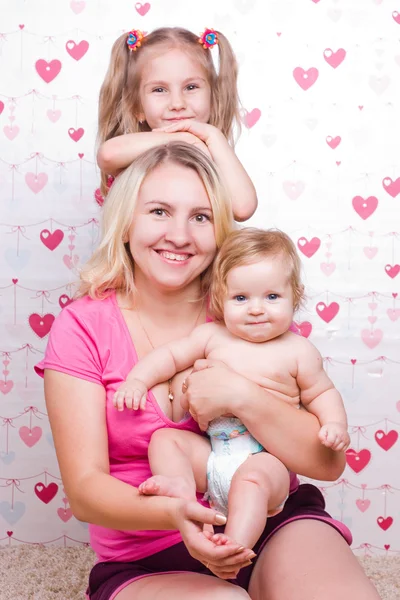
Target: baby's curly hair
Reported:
[(246, 246)]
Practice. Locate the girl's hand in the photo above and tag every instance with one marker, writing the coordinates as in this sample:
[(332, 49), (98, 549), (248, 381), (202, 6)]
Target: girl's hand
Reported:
[(205, 132), (212, 390), (225, 561)]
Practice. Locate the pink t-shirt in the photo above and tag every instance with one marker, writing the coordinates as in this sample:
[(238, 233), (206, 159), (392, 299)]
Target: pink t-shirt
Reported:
[(90, 339)]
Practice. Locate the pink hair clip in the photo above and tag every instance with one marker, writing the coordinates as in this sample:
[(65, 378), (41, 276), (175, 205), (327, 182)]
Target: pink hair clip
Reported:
[(209, 38), (134, 39)]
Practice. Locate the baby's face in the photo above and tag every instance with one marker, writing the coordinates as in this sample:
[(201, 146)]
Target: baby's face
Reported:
[(259, 302)]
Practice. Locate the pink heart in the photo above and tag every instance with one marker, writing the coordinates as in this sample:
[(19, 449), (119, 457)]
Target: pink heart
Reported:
[(1, 106), (53, 115), (70, 262), (392, 187), (48, 70), (370, 251), (362, 504), (328, 268), (293, 189), (30, 436), (11, 132), (41, 325), (77, 51), (305, 328), (365, 207), (36, 182), (142, 9), (77, 6), (65, 514), (76, 134), (396, 17), (305, 79), (392, 270), (393, 313), (333, 142), (372, 305), (353, 361), (6, 386), (250, 118), (308, 248), (371, 338), (372, 319), (334, 59), (51, 240), (327, 313)]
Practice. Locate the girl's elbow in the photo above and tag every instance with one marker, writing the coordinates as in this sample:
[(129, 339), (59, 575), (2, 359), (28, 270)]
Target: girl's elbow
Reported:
[(246, 210), (106, 158)]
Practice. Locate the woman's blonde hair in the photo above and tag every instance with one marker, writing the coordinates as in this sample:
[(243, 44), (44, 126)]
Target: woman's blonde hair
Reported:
[(244, 247), (111, 267), (119, 102)]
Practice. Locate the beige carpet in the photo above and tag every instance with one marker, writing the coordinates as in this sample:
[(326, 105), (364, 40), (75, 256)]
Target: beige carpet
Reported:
[(35, 573)]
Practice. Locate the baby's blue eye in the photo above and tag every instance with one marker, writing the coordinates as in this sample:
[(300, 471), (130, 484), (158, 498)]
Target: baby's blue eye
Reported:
[(240, 298), (272, 296)]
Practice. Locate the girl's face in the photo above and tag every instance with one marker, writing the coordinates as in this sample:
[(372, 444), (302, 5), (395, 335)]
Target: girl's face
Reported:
[(259, 302), (172, 237), (174, 87)]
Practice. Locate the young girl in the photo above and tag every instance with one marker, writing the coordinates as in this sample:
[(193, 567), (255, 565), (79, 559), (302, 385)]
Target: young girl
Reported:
[(162, 87), (255, 290)]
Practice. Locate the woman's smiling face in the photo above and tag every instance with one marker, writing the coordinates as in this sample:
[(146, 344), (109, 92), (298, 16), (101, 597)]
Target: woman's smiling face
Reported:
[(172, 238)]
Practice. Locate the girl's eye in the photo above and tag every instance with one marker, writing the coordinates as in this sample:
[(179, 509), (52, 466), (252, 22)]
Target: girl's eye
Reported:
[(201, 218), (158, 89), (240, 298), (272, 296), (192, 86), (159, 212)]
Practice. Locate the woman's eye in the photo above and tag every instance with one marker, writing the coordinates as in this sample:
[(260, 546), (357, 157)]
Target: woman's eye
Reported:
[(201, 218), (159, 212), (240, 298)]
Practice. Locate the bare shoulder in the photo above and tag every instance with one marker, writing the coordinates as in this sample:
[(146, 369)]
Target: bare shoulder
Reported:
[(302, 346), (205, 331)]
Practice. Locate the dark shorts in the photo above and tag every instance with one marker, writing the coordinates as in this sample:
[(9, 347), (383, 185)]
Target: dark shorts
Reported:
[(109, 578)]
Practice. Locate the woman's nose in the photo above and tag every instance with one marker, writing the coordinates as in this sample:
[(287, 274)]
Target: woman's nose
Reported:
[(178, 233)]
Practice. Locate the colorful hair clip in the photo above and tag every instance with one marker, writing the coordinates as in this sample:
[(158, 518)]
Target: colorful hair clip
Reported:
[(134, 39), (209, 38)]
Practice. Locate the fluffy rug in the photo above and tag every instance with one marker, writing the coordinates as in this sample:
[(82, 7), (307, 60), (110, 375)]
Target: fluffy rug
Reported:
[(37, 573)]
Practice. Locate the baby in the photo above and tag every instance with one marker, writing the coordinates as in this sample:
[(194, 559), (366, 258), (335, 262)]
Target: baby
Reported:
[(254, 292)]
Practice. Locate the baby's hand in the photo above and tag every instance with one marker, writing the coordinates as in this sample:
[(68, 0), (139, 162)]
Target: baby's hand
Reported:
[(132, 394), (334, 435)]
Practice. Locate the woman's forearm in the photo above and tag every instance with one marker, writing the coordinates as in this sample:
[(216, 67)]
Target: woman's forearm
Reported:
[(290, 435), (106, 501)]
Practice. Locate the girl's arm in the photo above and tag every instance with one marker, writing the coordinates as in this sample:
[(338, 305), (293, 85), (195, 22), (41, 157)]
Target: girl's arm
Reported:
[(118, 152), (238, 183), (286, 432)]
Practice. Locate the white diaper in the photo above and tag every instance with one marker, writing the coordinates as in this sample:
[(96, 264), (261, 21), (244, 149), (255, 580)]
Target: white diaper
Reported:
[(231, 444)]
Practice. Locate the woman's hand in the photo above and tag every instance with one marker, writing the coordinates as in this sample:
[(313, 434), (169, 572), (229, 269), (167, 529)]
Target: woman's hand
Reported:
[(211, 390), (225, 561)]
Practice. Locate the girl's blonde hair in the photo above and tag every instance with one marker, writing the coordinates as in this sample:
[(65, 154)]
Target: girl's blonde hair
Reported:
[(111, 267), (119, 102), (244, 247)]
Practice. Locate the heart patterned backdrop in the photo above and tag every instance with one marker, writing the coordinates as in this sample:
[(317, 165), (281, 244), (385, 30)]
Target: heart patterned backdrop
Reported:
[(320, 89)]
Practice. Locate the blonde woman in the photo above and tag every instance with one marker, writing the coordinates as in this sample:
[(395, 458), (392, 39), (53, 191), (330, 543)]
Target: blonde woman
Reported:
[(163, 87), (163, 221)]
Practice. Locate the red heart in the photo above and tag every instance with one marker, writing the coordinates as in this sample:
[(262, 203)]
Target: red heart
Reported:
[(15, 281), (386, 546), (386, 440), (81, 154), (51, 240), (353, 361), (327, 313), (384, 523), (64, 300), (308, 248), (358, 460), (305, 328), (9, 533), (46, 493), (76, 134), (392, 270), (41, 325)]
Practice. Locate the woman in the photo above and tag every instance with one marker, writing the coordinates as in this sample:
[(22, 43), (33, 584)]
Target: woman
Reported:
[(146, 284)]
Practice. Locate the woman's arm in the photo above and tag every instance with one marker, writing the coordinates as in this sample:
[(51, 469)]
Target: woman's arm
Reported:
[(239, 185), (286, 432), (118, 152)]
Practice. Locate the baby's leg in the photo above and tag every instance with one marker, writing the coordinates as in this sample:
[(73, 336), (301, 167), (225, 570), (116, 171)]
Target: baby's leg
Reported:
[(259, 485), (178, 461)]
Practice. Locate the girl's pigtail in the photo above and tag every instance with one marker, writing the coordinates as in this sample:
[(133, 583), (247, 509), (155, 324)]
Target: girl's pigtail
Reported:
[(226, 99)]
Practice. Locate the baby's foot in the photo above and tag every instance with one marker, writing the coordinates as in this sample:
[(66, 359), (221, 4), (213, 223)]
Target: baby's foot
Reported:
[(174, 487), (220, 539)]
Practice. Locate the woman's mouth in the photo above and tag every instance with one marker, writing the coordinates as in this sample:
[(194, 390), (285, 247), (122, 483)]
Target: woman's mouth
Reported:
[(176, 257)]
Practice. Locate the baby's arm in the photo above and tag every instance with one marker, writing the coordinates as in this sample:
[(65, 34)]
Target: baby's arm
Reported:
[(161, 365), (117, 153), (237, 182), (320, 397)]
